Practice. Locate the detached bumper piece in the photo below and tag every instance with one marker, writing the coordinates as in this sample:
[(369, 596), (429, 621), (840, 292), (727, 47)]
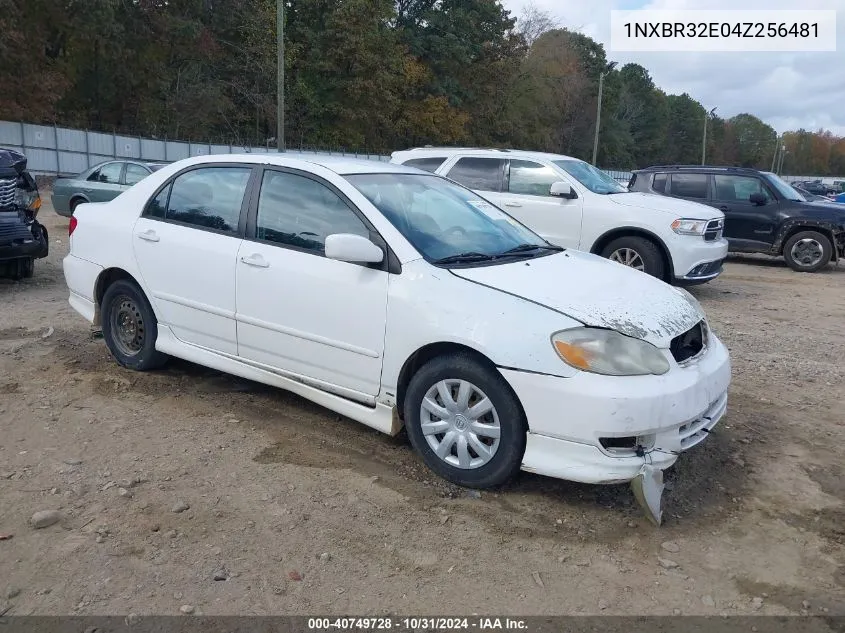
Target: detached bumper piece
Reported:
[(648, 491)]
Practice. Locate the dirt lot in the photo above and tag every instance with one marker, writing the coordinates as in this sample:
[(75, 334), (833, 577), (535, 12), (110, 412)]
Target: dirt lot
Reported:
[(304, 512)]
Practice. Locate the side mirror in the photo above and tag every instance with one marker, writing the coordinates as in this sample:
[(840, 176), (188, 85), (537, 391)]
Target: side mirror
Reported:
[(347, 247), (562, 189), (758, 198)]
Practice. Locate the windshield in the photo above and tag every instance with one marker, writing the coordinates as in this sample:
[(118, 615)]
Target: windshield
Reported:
[(593, 179), (443, 220), (784, 188)]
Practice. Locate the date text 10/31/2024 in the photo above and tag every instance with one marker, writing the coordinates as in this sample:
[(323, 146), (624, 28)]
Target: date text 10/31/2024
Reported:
[(401, 624)]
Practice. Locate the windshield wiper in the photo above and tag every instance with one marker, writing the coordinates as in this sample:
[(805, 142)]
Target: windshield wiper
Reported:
[(522, 248), (461, 258)]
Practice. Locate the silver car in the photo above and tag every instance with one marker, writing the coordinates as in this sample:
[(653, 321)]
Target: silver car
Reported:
[(100, 183)]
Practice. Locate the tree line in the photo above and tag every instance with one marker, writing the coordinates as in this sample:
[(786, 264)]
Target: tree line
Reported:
[(367, 75)]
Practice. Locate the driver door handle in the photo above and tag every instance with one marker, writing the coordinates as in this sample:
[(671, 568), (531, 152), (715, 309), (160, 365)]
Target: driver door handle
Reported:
[(512, 204), (256, 261), (724, 207)]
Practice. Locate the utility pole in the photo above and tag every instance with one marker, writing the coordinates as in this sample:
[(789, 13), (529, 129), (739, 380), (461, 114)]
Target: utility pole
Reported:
[(707, 116), (607, 69), (777, 148), (280, 75), (782, 156)]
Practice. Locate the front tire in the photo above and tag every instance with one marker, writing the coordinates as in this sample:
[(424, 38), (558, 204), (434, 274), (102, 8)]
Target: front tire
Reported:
[(26, 268), (808, 251), (638, 253), (130, 328), (463, 418)]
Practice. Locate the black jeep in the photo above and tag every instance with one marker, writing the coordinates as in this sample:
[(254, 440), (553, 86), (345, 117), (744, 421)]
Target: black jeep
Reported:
[(763, 213), (22, 238)]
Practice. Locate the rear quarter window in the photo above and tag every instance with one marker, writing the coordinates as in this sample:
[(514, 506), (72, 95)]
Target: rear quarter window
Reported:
[(478, 173), (658, 183)]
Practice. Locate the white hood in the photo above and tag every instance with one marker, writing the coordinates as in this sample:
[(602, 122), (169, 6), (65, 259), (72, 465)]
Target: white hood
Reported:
[(674, 206), (596, 292)]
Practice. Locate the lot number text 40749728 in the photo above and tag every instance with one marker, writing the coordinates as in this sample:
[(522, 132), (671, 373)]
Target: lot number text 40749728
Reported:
[(424, 623)]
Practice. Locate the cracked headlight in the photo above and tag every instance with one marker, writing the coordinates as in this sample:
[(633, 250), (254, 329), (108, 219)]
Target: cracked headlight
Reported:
[(608, 352)]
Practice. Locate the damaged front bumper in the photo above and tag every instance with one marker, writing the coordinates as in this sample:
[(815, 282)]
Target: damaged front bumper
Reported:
[(22, 238), (609, 430)]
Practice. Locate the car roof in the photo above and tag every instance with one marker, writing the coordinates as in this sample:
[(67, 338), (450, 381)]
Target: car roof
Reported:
[(341, 165), (478, 151), (705, 168)]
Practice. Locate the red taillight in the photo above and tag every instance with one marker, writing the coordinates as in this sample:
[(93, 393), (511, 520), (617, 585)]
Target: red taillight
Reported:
[(72, 226)]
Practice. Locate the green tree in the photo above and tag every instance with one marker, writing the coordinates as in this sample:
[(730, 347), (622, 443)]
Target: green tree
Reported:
[(684, 130), (754, 141)]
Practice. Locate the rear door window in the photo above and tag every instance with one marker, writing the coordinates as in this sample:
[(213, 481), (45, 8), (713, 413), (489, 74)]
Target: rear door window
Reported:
[(480, 174), (207, 197), (690, 186)]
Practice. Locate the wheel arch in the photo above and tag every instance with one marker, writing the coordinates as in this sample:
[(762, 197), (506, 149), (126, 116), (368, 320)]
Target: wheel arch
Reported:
[(105, 279), (427, 353), (81, 197), (792, 227), (634, 231)]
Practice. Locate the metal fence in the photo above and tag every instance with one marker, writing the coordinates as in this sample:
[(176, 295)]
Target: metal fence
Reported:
[(53, 150)]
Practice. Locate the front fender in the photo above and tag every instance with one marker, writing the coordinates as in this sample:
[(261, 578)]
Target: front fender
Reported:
[(424, 309)]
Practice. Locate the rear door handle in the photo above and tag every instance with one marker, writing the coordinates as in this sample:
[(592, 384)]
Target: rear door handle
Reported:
[(149, 235), (724, 207), (255, 260), (512, 204)]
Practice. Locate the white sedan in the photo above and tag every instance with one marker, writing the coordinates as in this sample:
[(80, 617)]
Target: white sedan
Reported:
[(396, 297)]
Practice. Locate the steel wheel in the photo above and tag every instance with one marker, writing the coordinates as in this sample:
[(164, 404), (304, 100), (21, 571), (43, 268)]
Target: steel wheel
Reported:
[(460, 424), (628, 257), (127, 323), (807, 252)]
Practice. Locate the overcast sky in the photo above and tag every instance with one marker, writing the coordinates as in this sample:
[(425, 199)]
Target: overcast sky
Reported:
[(787, 90)]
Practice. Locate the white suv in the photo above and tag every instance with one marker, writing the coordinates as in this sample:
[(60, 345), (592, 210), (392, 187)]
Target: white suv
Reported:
[(574, 205)]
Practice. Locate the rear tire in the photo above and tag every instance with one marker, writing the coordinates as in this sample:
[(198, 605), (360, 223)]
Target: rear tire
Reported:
[(75, 203), (130, 328), (808, 251), (637, 252), (481, 432)]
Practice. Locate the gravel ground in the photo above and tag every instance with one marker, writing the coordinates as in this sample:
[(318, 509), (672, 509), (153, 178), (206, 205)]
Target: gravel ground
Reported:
[(187, 488)]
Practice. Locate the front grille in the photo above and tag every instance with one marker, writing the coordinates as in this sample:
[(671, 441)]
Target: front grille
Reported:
[(689, 344), (713, 231), (7, 193)]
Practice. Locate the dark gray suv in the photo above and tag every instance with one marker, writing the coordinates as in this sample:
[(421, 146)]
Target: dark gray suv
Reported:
[(763, 213)]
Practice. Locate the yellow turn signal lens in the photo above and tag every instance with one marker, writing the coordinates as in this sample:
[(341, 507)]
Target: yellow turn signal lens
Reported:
[(574, 355)]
